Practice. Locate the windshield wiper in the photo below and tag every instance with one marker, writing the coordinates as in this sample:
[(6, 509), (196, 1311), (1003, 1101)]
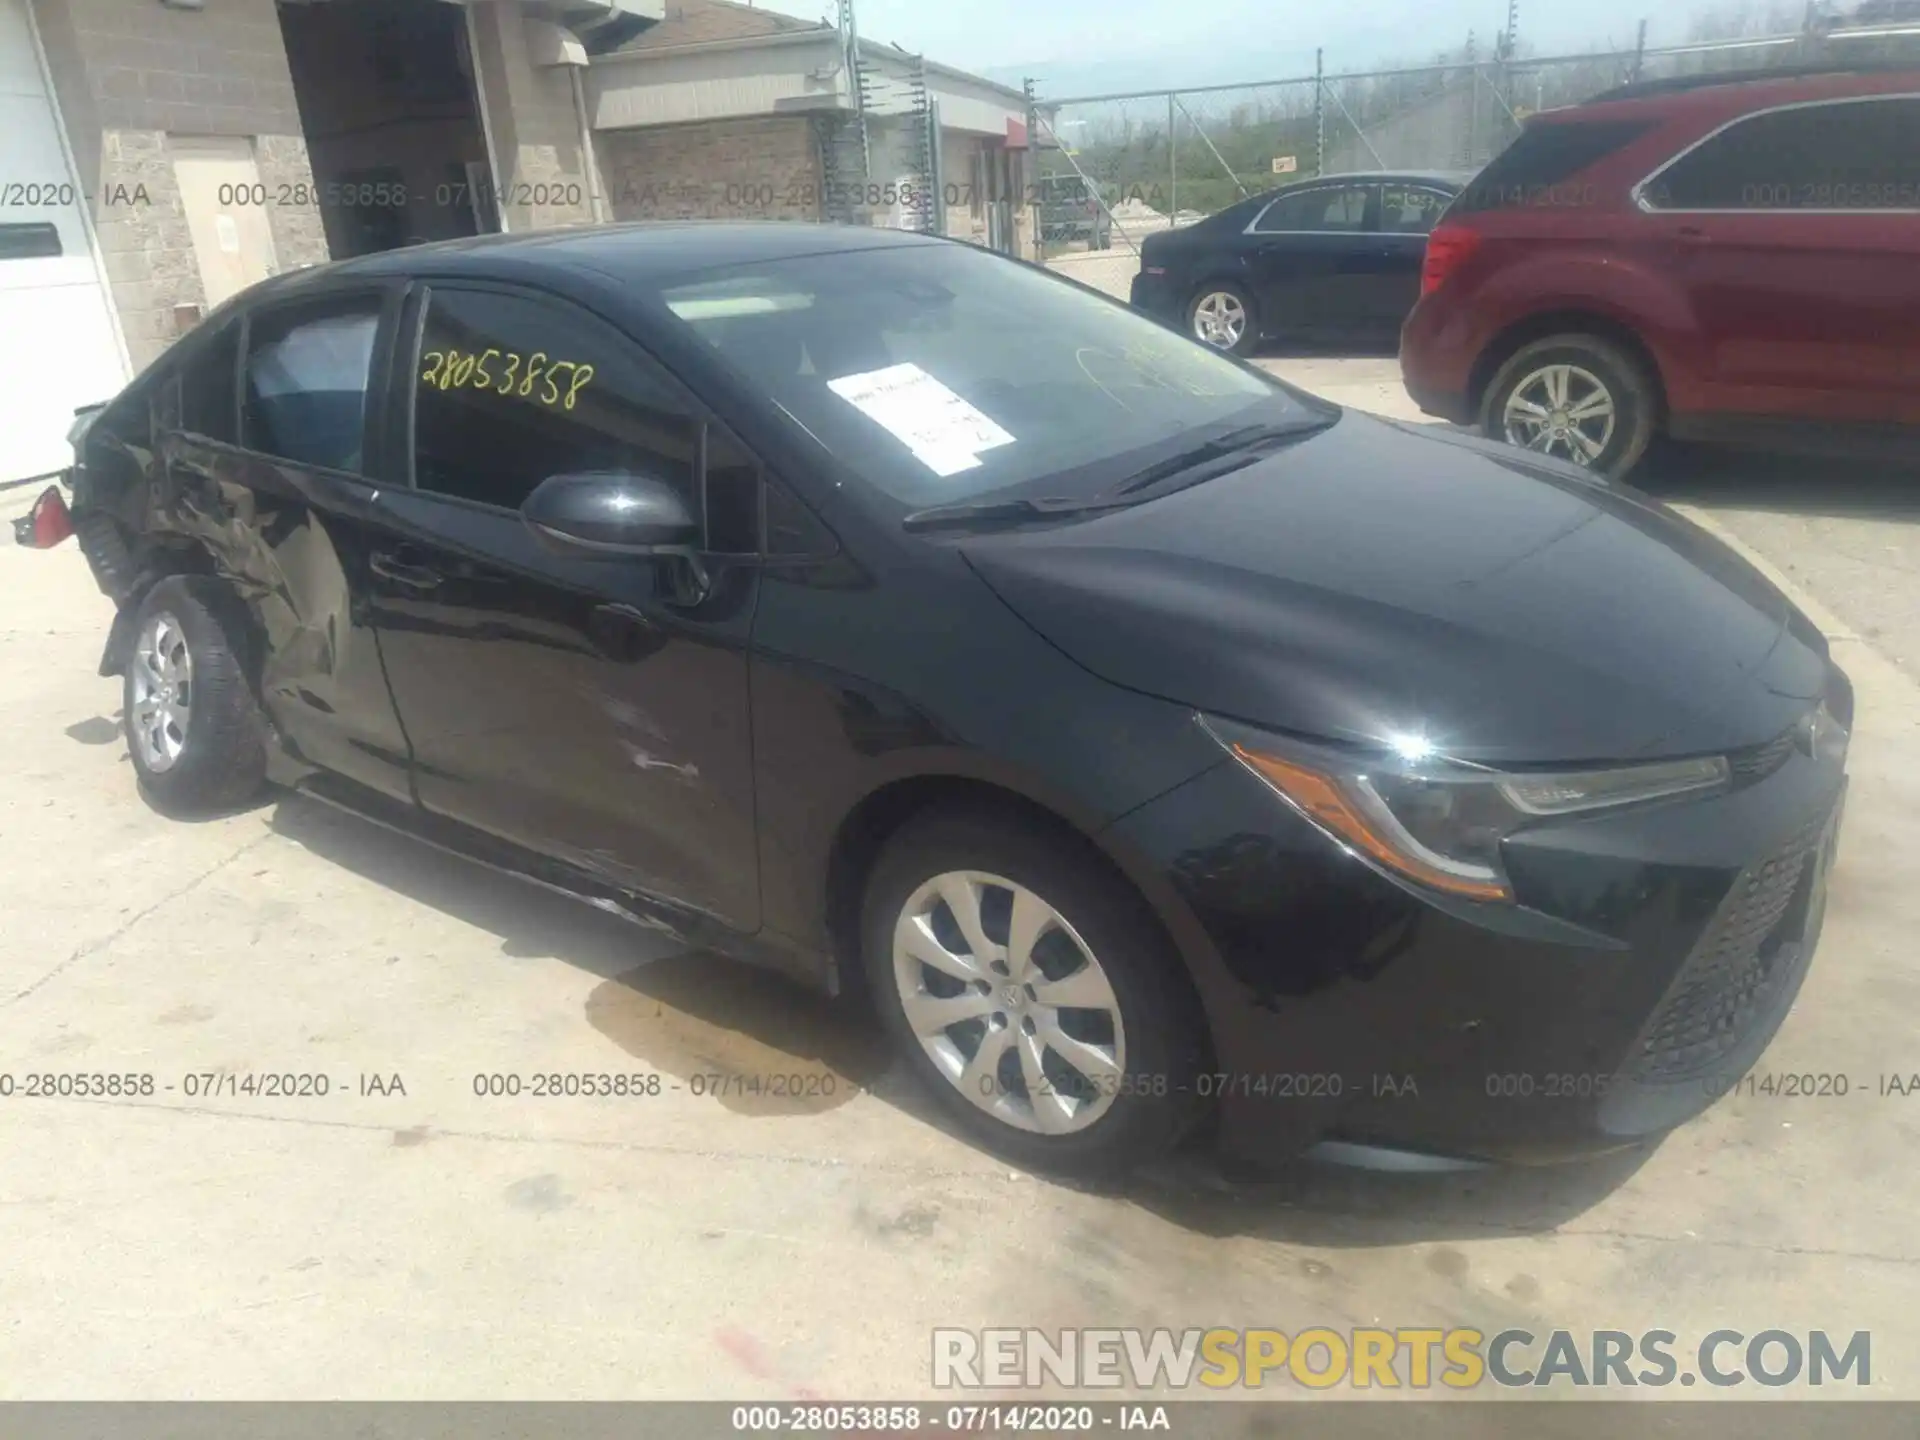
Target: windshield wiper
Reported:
[(1218, 456), (1236, 443), (1047, 507)]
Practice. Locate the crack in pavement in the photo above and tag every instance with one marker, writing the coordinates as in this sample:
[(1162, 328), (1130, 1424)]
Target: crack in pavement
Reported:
[(94, 947)]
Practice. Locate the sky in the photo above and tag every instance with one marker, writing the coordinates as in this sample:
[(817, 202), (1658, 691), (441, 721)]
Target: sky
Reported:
[(1078, 46)]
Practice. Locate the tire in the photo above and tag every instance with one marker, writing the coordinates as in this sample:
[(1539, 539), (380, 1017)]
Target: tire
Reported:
[(1226, 296), (1591, 365), (1144, 1103), (205, 753)]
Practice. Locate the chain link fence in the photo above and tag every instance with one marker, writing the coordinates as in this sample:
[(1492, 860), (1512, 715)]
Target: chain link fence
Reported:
[(1112, 169)]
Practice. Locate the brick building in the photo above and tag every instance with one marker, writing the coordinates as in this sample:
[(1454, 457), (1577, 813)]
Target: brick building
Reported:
[(157, 156)]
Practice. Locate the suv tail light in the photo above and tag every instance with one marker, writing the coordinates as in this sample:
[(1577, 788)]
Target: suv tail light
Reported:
[(1448, 247)]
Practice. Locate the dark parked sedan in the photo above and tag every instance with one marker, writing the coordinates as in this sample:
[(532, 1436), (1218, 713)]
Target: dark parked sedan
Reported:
[(1150, 739), (1333, 260)]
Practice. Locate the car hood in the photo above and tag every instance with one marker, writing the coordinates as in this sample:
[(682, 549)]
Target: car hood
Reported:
[(1380, 580)]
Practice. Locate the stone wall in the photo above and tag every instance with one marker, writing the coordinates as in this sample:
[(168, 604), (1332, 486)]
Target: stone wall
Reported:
[(535, 124)]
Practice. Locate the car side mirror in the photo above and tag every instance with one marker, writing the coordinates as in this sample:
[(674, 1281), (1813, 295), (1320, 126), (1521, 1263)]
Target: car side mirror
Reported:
[(611, 513)]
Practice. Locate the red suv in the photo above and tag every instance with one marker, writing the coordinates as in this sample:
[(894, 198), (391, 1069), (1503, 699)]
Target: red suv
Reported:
[(1719, 258)]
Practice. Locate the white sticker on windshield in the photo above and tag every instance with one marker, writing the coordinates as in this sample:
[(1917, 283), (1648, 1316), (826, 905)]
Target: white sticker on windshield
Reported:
[(943, 430)]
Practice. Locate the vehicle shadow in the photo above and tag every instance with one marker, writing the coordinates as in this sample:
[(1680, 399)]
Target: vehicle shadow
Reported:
[(1722, 477), (690, 1013), (1331, 348)]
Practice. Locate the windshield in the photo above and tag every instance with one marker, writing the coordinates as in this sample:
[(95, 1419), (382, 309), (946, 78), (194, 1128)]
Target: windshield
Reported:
[(940, 373)]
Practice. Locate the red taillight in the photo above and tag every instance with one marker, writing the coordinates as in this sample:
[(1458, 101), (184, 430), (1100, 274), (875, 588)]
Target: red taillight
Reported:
[(49, 521), (1447, 249)]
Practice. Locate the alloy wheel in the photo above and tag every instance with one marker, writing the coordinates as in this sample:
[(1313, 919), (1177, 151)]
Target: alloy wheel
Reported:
[(162, 709), (1220, 319), (1009, 1003), (1561, 410)]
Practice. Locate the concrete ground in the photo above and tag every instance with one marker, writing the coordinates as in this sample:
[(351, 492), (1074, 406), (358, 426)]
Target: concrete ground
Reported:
[(433, 1243)]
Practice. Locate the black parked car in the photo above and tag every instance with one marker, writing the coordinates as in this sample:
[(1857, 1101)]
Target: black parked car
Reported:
[(1150, 738), (1334, 260)]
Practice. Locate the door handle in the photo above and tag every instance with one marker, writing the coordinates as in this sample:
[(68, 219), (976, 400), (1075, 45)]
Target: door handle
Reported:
[(413, 577), (1693, 235)]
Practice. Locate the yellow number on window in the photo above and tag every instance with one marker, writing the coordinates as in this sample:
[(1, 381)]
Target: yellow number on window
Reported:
[(513, 369), (431, 376), (580, 378), (533, 373), (551, 394), (463, 372), (481, 379)]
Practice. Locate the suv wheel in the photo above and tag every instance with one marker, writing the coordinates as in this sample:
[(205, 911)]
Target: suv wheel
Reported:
[(1032, 994), (1222, 315), (1577, 398), (194, 729)]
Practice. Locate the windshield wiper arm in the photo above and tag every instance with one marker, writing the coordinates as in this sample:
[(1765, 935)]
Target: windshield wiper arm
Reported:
[(1047, 507), (1234, 442)]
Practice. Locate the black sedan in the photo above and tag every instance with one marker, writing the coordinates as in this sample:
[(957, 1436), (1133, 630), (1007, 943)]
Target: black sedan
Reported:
[(1334, 260), (1149, 739)]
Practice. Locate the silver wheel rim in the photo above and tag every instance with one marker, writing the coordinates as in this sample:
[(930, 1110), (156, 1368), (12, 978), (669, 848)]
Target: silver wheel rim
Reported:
[(1561, 410), (1219, 319), (1009, 1002), (162, 711)]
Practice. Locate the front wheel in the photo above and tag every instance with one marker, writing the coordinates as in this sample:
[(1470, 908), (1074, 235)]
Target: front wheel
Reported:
[(1031, 992), (1574, 397), (1223, 316)]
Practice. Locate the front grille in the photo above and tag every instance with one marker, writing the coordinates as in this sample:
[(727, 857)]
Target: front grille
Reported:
[(1751, 955), (1757, 762)]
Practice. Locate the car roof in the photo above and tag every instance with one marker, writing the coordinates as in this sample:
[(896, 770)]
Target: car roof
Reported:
[(644, 253), (1457, 178), (1736, 92)]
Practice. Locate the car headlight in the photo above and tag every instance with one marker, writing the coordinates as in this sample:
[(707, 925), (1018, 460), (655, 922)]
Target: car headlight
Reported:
[(1440, 823)]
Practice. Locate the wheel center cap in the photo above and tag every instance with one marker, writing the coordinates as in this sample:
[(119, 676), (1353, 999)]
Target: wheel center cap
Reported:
[(166, 694), (1014, 998)]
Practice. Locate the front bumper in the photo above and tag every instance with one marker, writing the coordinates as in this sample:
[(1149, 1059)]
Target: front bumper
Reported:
[(1157, 297), (1652, 956)]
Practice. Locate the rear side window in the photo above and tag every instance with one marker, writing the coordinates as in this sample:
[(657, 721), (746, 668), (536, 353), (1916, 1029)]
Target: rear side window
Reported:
[(1541, 166), (510, 390), (1410, 209), (1343, 209), (306, 382), (1855, 155)]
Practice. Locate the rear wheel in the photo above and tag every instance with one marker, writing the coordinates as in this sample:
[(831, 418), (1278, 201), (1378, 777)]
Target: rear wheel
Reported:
[(1223, 316), (1574, 397), (194, 729), (1031, 992)]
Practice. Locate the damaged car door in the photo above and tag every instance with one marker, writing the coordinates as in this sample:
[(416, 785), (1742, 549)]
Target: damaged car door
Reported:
[(263, 459), (587, 707)]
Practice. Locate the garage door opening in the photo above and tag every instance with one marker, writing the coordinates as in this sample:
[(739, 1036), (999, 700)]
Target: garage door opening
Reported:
[(392, 121)]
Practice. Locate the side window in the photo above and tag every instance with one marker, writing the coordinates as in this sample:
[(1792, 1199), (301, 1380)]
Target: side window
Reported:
[(1541, 165), (33, 241), (306, 382), (1343, 209), (509, 390), (1408, 210), (1854, 155), (207, 389)]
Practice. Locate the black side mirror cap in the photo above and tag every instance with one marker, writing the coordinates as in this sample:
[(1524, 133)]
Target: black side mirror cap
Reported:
[(611, 513)]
